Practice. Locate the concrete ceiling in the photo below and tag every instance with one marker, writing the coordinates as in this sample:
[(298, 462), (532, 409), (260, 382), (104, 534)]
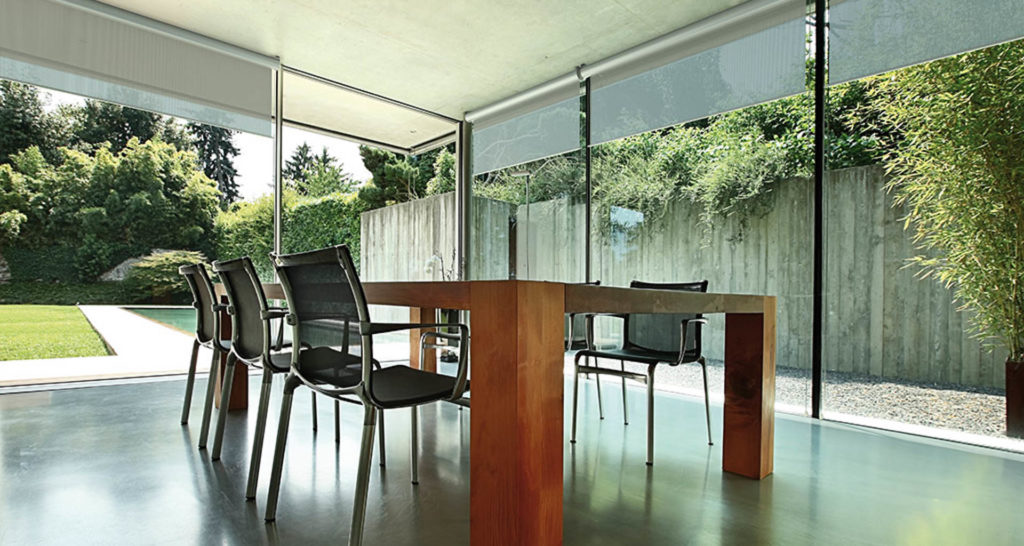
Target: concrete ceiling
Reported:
[(447, 56)]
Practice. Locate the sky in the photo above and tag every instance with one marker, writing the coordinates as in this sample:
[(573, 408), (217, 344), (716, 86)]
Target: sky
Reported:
[(255, 161)]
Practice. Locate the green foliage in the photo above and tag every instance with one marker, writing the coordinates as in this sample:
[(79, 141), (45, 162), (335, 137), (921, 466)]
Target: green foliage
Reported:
[(959, 170), (100, 124), (396, 179), (444, 174), (321, 222), (247, 229), (111, 206), (156, 276), (43, 331), (217, 152), (41, 263), (296, 167), (48, 293), (24, 122)]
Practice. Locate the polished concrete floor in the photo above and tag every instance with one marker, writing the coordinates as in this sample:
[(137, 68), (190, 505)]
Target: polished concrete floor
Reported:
[(109, 464)]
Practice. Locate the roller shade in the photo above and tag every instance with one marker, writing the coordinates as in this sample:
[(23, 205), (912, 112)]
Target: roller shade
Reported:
[(544, 132), (757, 60), (868, 37), (68, 48)]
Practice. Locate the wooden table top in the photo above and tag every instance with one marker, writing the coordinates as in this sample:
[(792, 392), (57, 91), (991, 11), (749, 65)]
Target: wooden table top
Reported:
[(579, 298)]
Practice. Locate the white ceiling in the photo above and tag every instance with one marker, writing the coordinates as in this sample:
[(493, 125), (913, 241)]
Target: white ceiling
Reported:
[(447, 56)]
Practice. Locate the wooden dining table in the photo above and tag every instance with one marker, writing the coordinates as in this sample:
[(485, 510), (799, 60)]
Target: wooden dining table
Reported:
[(517, 350)]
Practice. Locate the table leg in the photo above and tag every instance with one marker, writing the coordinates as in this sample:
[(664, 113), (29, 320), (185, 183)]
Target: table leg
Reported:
[(749, 422), (240, 390), (516, 436), (428, 315)]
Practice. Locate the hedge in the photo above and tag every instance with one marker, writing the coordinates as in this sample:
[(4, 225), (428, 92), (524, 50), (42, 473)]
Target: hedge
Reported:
[(325, 221), (47, 264), (48, 293), (309, 223)]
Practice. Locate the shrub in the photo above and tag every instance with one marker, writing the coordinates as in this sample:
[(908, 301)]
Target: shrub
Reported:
[(48, 293), (156, 276), (326, 221), (960, 173), (247, 229)]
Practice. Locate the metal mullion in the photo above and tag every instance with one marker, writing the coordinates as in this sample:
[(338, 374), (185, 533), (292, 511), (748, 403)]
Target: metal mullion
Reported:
[(820, 67)]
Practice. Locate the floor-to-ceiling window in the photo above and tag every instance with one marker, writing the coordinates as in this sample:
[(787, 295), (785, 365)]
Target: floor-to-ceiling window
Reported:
[(922, 220)]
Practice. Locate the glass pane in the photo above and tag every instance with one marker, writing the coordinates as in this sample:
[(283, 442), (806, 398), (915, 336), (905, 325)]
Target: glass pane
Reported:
[(728, 200), (920, 235)]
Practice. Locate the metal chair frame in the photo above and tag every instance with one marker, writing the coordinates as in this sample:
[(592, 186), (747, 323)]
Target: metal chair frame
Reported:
[(259, 361), (199, 283), (362, 390), (646, 378)]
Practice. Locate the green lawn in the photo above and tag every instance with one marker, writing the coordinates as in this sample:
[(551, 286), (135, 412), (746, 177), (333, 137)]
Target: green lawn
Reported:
[(46, 331)]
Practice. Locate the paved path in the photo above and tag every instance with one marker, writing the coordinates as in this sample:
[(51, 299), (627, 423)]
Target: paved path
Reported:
[(142, 347)]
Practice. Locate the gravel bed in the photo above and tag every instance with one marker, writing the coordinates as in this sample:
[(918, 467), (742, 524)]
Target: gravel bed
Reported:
[(965, 409)]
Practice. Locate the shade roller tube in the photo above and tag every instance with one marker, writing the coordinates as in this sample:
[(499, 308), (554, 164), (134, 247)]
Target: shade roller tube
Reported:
[(869, 37), (756, 64), (75, 50), (547, 131)]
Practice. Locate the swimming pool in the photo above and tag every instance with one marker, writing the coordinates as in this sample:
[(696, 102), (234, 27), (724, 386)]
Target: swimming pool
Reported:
[(179, 318)]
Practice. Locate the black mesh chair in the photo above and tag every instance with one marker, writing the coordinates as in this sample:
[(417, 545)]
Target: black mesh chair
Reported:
[(207, 335), (649, 338), (253, 343), (323, 285)]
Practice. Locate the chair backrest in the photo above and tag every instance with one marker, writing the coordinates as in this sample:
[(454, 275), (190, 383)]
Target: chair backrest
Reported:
[(325, 297), (250, 333), (660, 332), (207, 320)]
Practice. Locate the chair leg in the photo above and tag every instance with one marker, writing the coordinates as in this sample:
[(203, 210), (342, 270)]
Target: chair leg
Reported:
[(625, 406), (650, 415), (575, 396), (257, 439), (380, 438), (312, 395), (190, 382), (282, 438), (600, 405), (337, 422), (204, 430), (363, 477), (415, 444), (707, 401), (225, 398)]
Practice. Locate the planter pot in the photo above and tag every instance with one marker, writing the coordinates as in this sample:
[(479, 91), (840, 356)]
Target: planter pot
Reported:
[(1014, 399)]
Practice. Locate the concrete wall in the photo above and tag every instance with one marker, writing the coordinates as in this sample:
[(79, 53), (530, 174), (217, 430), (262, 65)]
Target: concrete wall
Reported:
[(880, 319)]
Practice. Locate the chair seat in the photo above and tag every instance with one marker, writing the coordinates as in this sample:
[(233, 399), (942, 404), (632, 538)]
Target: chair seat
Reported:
[(401, 386), (635, 355), (220, 344), (393, 387)]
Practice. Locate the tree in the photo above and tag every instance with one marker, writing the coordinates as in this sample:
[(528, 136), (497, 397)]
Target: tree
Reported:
[(25, 123), (97, 122), (959, 171), (112, 206), (396, 178), (301, 161), (217, 152)]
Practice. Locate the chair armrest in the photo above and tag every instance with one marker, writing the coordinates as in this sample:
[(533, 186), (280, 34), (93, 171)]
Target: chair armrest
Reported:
[(683, 330), (218, 307), (590, 325), (375, 328), (273, 313)]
